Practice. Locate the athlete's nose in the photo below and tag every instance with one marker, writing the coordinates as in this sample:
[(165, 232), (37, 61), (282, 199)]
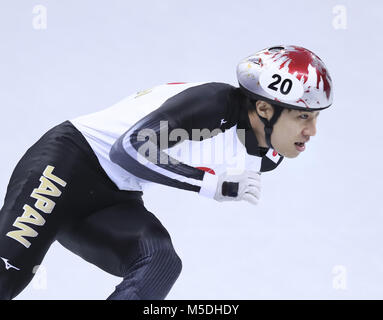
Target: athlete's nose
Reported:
[(310, 130)]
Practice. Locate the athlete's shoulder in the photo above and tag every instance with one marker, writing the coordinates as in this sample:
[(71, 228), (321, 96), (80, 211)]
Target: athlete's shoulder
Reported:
[(202, 93)]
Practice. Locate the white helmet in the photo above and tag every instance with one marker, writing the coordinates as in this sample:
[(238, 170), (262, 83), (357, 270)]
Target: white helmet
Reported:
[(288, 76)]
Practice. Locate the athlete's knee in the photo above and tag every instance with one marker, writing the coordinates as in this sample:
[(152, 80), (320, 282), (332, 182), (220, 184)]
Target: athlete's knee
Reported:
[(156, 239), (155, 247), (151, 277), (154, 267), (170, 262), (174, 264)]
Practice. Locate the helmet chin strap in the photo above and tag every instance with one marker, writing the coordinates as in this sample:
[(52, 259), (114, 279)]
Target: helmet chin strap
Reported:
[(269, 124)]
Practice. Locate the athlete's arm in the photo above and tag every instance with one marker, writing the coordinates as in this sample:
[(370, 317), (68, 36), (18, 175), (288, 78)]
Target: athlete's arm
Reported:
[(139, 150)]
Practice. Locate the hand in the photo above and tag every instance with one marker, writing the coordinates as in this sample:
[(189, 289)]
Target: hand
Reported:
[(245, 186)]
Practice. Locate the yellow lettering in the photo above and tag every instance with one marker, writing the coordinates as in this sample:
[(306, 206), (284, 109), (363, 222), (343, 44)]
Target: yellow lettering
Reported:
[(30, 215), (48, 174), (48, 188), (24, 231), (44, 204)]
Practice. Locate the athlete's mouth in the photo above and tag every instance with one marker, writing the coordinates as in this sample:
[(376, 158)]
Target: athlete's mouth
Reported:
[(300, 146)]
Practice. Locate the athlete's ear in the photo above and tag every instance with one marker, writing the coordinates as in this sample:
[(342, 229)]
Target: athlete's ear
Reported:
[(264, 109)]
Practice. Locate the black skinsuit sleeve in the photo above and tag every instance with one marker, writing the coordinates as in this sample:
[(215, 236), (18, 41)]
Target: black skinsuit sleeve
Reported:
[(199, 107)]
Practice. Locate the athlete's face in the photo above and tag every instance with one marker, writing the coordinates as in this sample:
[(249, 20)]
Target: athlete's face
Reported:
[(292, 131)]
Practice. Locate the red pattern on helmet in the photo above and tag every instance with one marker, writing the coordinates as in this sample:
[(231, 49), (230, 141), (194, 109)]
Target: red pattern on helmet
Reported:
[(299, 60), (300, 100)]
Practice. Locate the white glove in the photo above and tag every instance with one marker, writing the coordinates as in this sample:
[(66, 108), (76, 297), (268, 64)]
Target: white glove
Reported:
[(232, 187)]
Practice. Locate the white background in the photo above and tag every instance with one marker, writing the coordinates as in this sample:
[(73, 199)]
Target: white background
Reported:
[(318, 211)]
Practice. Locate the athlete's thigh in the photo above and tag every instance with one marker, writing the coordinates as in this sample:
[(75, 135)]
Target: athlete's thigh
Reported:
[(28, 221), (111, 238), (46, 191)]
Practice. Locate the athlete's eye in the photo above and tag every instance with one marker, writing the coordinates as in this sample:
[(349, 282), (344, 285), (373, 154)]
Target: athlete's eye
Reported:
[(304, 116)]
